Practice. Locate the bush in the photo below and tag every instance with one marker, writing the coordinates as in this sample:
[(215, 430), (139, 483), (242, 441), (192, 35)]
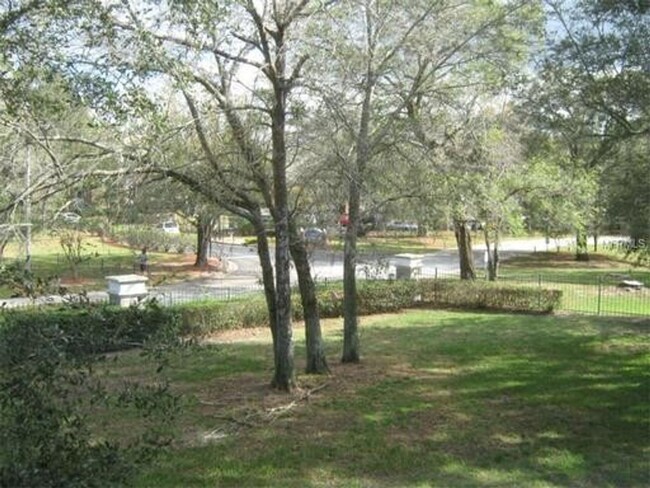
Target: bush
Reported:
[(204, 317), (386, 296), (48, 393), (200, 318), (106, 328), (96, 329), (487, 296)]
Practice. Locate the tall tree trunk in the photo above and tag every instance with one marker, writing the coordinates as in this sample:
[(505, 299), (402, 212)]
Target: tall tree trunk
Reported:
[(316, 359), (350, 312), (204, 227), (351, 353), (284, 377), (465, 253), (582, 251)]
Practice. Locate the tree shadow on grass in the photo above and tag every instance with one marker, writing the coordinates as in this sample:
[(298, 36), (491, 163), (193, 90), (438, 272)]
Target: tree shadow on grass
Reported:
[(464, 400)]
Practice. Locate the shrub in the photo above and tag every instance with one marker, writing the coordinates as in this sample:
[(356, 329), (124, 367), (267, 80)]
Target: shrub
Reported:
[(22, 282), (487, 295), (96, 329), (107, 328), (48, 393), (385, 296), (204, 317), (200, 318), (391, 296)]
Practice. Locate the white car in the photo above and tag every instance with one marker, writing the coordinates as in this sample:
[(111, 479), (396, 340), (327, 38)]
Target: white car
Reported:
[(170, 227), (402, 226), (70, 217)]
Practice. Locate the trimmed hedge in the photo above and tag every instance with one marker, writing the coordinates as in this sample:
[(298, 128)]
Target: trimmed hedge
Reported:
[(487, 295), (93, 328), (102, 328), (207, 316)]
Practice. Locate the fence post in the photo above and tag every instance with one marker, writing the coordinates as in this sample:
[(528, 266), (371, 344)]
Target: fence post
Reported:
[(435, 286), (600, 293)]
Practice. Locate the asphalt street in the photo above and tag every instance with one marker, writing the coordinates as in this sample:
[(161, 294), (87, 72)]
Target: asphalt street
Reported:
[(242, 273), (242, 260)]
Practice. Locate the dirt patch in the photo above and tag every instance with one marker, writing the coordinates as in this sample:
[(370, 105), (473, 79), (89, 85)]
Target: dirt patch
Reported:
[(238, 404), (185, 264), (239, 335)]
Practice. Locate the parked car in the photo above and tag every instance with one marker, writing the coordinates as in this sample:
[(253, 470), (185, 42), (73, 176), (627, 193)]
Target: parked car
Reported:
[(314, 235), (170, 227), (70, 217), (398, 225)]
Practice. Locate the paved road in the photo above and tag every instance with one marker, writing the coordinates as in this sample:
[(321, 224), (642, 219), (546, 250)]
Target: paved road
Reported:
[(243, 272), (328, 265)]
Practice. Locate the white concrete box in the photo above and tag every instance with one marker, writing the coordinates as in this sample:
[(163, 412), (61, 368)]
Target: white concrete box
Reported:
[(407, 266), (124, 290)]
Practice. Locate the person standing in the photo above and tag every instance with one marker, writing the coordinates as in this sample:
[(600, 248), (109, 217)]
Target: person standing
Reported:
[(144, 260)]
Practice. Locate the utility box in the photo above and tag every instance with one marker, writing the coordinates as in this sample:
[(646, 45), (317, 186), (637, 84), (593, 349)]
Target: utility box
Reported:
[(407, 266), (125, 290)]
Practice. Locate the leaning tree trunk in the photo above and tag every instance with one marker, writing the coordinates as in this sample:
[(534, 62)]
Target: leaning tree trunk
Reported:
[(268, 281), (3, 245), (316, 359), (582, 251), (465, 253), (204, 227)]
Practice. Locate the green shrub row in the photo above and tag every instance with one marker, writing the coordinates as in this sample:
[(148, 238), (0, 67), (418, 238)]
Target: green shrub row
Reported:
[(104, 328), (207, 316), (92, 328), (487, 296)]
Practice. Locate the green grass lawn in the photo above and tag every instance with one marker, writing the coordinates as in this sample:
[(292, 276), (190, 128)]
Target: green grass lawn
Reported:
[(590, 287), (440, 399), (396, 243), (562, 267), (102, 259)]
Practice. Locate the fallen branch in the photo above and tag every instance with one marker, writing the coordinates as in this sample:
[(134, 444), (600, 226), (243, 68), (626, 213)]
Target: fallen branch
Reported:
[(251, 419)]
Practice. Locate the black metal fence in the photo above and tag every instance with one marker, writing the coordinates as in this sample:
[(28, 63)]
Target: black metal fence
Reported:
[(606, 294)]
